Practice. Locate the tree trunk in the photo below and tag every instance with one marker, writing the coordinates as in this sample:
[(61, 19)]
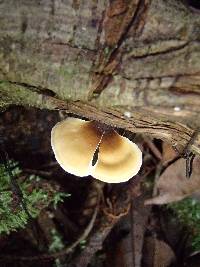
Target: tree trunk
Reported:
[(133, 64)]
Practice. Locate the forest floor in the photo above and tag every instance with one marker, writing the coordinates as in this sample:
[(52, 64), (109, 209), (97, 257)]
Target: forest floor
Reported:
[(153, 220)]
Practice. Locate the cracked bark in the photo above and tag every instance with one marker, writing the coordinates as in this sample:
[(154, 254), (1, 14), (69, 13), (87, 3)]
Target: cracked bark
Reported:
[(133, 64)]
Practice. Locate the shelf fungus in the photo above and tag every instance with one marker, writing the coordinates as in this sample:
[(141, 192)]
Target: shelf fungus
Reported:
[(87, 148)]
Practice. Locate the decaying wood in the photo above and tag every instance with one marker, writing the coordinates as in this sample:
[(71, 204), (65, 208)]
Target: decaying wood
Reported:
[(139, 217), (115, 206), (128, 250), (133, 64)]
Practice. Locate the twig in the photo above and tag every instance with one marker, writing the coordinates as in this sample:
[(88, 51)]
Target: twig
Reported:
[(153, 148), (14, 184), (38, 172), (107, 221), (190, 142), (188, 155)]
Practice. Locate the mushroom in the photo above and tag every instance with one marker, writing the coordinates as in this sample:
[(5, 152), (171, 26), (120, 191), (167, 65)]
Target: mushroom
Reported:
[(87, 148)]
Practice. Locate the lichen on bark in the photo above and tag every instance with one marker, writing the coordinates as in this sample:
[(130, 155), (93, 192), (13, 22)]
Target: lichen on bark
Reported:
[(104, 60)]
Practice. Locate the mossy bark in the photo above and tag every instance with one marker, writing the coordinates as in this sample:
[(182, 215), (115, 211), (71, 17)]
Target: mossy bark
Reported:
[(133, 64)]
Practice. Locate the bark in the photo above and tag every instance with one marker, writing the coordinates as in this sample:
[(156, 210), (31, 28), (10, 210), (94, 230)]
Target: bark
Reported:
[(133, 64)]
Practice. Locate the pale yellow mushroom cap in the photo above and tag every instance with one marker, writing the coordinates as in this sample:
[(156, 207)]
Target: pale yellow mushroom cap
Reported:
[(75, 141), (119, 159)]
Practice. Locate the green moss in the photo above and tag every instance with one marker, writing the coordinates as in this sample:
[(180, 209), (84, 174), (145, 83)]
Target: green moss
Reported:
[(19, 95), (67, 72), (37, 195), (57, 242), (188, 213)]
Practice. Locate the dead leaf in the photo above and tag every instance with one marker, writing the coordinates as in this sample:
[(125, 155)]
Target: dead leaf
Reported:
[(157, 253), (128, 250), (168, 153), (173, 185)]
